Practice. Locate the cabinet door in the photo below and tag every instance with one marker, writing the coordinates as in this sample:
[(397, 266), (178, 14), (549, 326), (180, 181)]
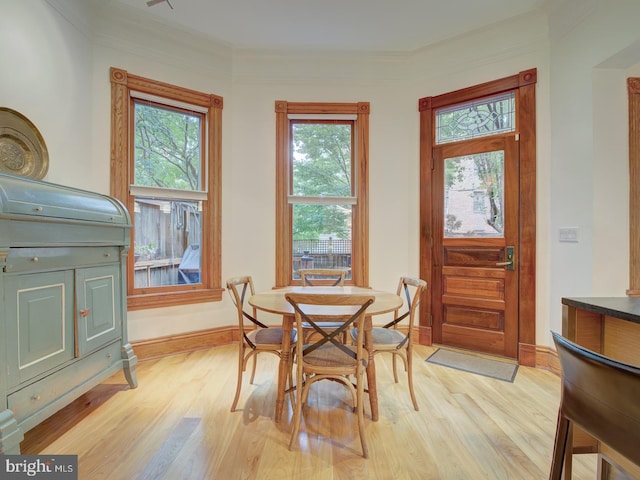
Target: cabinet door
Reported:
[(97, 298), (39, 315)]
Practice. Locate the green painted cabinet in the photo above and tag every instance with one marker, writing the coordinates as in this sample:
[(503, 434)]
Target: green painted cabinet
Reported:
[(63, 300)]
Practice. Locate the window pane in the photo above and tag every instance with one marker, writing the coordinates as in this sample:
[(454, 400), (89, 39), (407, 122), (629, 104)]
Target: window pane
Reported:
[(476, 119), (321, 237), (474, 195), (167, 147), (167, 237), (321, 159)]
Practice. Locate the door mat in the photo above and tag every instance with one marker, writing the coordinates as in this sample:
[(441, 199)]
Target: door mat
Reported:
[(473, 364)]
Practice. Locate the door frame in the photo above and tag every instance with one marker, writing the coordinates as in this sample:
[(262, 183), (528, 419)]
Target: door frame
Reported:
[(524, 84)]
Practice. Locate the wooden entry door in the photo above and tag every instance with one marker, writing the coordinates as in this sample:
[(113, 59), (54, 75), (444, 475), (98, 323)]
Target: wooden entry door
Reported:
[(475, 202)]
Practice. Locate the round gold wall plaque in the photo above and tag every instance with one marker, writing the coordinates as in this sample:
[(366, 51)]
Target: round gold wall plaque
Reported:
[(22, 148)]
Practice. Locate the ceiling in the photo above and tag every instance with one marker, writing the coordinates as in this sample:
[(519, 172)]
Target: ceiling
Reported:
[(334, 25)]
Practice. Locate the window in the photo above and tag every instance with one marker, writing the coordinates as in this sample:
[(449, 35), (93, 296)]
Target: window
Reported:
[(474, 195), (321, 194), (478, 118), (322, 189), (166, 170)]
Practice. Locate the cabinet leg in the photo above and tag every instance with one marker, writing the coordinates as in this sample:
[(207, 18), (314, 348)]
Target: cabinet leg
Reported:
[(129, 362), (10, 434)]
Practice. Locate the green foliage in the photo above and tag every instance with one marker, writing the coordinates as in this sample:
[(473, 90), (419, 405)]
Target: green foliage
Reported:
[(322, 167), (167, 148), (309, 221), (452, 223), (454, 171), (490, 170), (146, 251), (322, 159)]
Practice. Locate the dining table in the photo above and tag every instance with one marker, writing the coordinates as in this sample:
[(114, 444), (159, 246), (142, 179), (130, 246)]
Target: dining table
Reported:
[(274, 301)]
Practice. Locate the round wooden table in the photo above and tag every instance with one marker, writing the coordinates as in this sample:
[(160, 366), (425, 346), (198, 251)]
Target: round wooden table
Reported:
[(274, 301)]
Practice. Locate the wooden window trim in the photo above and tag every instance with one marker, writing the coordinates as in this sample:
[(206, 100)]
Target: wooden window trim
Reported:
[(360, 229), (524, 84), (122, 84), (633, 89)]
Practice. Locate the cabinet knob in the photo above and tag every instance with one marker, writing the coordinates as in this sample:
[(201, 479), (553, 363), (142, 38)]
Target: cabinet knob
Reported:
[(37, 209), (84, 312), (35, 259), (35, 398)]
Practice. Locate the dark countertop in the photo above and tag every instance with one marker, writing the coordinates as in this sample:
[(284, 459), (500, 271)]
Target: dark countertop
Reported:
[(625, 308)]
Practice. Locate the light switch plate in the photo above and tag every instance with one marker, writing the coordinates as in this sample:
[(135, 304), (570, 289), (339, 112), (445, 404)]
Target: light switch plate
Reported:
[(568, 234)]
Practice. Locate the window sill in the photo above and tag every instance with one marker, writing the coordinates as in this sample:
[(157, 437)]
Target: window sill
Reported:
[(169, 299)]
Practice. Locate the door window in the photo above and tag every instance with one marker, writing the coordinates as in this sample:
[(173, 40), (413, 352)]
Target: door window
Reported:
[(478, 118), (474, 195)]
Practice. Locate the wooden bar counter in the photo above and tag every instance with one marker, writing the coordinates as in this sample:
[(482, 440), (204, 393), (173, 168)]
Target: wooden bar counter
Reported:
[(610, 326)]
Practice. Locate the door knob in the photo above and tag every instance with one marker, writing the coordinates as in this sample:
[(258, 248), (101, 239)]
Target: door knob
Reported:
[(509, 264)]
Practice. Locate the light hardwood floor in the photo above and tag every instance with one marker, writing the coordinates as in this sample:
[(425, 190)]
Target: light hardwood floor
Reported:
[(177, 425)]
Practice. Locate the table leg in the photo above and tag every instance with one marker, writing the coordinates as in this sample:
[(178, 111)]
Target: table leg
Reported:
[(283, 367), (371, 369)]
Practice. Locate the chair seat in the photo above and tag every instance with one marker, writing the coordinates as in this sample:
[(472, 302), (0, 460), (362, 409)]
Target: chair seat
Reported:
[(330, 356), (268, 336), (386, 336), (325, 325), (383, 336)]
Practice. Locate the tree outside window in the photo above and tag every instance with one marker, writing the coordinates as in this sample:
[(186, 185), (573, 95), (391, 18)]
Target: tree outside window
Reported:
[(322, 194), (322, 202), (167, 171), (166, 168)]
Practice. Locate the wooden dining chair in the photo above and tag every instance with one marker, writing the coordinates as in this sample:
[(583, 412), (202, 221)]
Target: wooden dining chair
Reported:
[(396, 337), (255, 337), (328, 357), (601, 396), (334, 277), (331, 277)]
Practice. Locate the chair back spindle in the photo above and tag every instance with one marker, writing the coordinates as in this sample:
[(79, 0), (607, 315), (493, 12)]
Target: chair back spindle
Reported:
[(334, 277)]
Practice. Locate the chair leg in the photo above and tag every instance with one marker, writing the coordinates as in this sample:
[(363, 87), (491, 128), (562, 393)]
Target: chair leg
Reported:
[(297, 410), (360, 411), (253, 369), (409, 365), (567, 469), (559, 447), (395, 367), (291, 387), (241, 350)]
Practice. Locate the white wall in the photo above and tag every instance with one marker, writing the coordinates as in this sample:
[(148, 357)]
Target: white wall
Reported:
[(62, 53), (590, 59), (46, 76)]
